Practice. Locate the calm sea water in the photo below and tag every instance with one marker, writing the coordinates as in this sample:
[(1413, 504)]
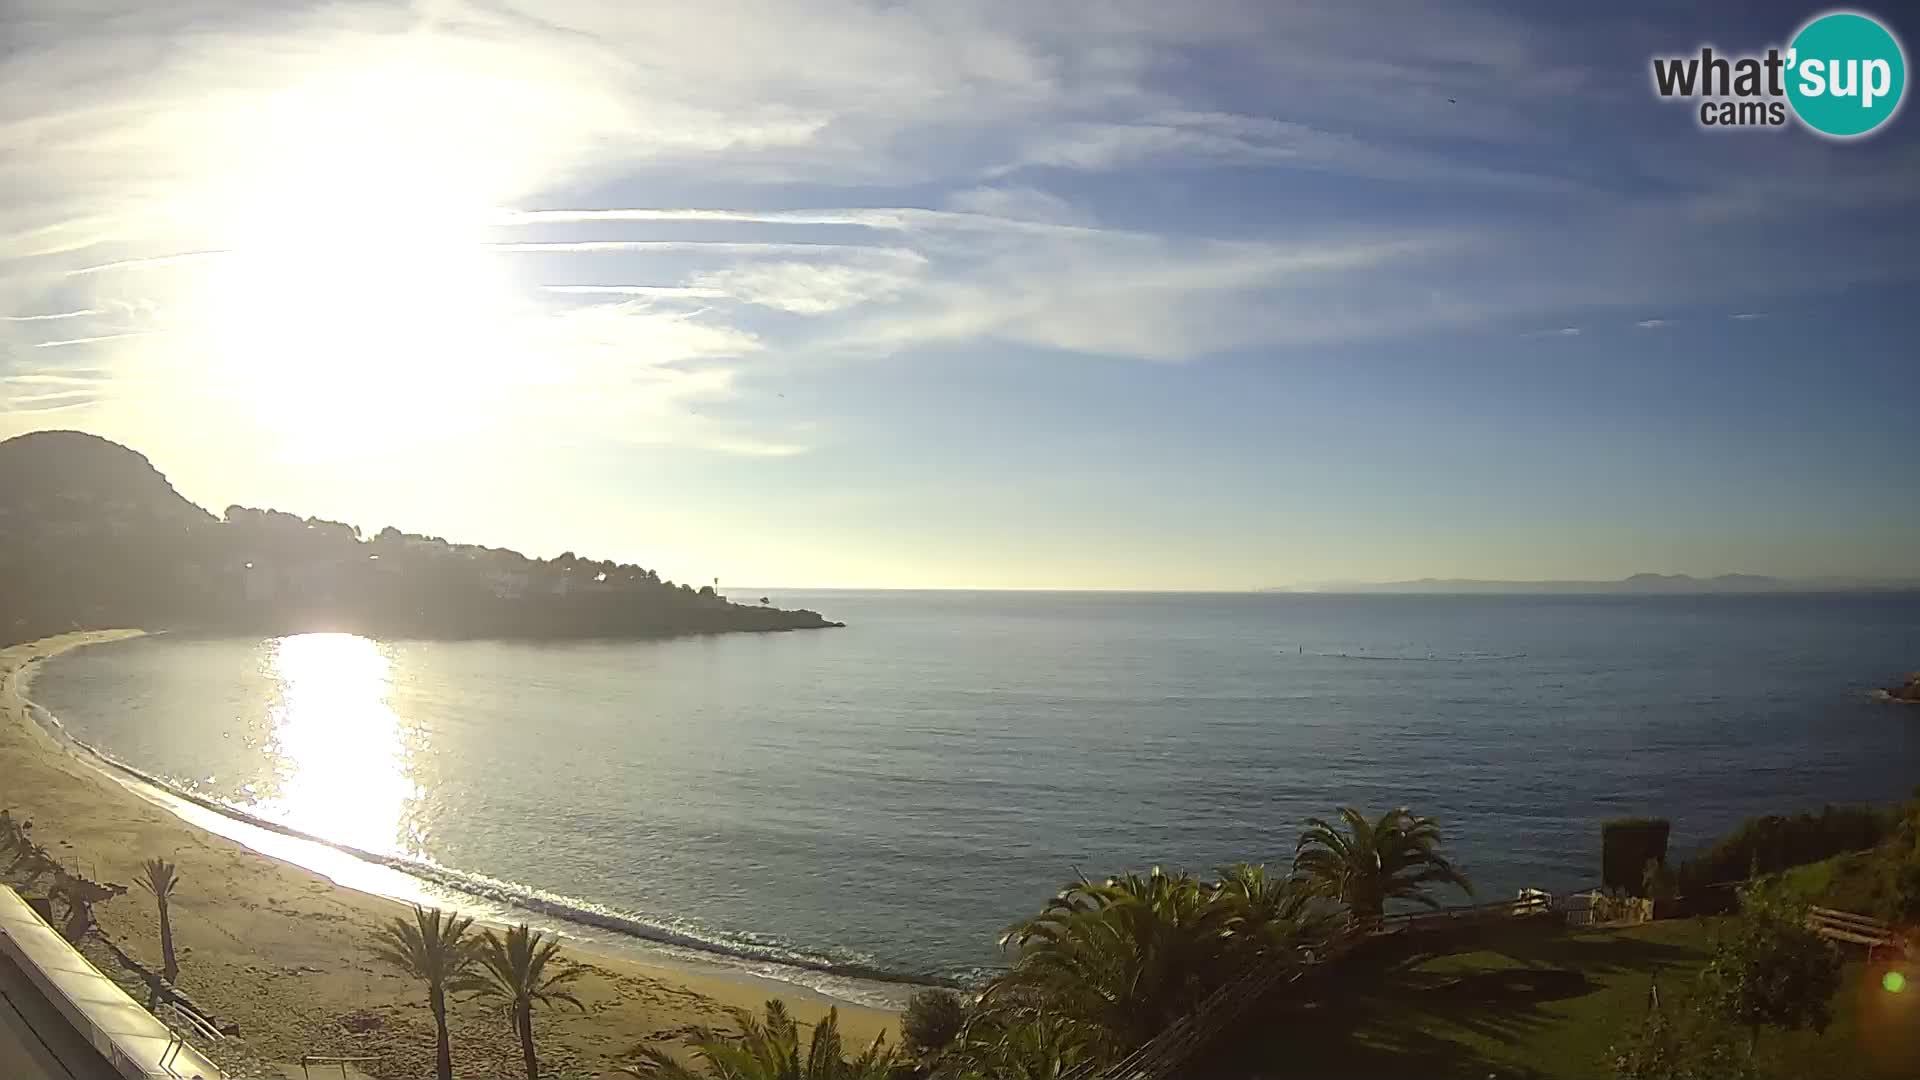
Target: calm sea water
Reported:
[(892, 794)]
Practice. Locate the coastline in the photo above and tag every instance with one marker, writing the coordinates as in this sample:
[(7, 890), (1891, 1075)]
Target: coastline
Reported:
[(281, 949)]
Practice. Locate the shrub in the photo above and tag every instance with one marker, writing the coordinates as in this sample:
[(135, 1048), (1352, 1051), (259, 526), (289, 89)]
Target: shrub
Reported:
[(1763, 845), (1901, 865), (1690, 1041), (1626, 846), (932, 1020)]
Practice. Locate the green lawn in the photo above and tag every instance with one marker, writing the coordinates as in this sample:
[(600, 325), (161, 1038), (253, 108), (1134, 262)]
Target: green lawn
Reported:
[(1543, 1002), (1855, 882)]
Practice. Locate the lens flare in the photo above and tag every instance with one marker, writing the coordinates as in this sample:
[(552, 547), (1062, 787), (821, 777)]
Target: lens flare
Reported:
[(1893, 982)]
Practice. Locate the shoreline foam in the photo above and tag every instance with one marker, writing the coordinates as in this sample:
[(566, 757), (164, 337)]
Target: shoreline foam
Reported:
[(87, 803)]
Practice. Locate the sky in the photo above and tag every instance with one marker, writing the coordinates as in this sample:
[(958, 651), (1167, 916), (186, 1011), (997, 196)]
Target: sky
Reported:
[(969, 293)]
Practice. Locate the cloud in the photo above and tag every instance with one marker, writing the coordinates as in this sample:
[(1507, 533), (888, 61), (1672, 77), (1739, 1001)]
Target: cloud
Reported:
[(806, 288), (1568, 331), (82, 313), (1747, 316), (1018, 203), (1653, 324), (93, 340), (147, 262), (1196, 140), (664, 292), (700, 247), (607, 217)]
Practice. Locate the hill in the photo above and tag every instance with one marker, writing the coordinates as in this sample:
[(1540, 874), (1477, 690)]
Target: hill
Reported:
[(93, 536), (74, 476)]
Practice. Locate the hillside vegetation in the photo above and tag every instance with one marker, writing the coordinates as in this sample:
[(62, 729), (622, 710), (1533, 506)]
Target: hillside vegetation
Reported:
[(93, 536)]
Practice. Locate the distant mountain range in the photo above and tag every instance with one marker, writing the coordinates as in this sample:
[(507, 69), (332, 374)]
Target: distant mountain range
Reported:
[(1637, 584)]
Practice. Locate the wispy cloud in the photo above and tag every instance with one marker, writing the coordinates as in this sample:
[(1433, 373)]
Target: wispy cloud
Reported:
[(147, 262), (664, 292), (63, 343), (1748, 316), (888, 179), (702, 247), (807, 288), (1653, 324), (80, 314)]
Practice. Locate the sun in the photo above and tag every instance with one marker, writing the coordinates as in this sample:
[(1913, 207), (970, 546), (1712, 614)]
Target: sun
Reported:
[(356, 298)]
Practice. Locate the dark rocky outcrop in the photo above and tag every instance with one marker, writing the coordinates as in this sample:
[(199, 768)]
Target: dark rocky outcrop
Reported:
[(1908, 691)]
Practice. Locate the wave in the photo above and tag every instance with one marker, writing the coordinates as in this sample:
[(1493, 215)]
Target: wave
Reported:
[(512, 894)]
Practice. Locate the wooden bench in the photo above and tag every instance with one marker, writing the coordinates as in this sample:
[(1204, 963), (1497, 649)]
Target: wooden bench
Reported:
[(1851, 929)]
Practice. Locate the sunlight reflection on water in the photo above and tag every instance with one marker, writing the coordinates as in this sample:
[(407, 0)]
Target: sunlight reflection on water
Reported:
[(337, 749)]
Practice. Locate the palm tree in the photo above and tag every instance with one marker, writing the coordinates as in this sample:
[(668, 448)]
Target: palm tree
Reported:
[(515, 971), (1043, 1046), (1277, 916), (160, 877), (1372, 862), (769, 1049), (434, 947), (1119, 959)]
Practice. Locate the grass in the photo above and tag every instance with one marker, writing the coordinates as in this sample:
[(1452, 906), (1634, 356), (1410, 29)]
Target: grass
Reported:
[(1855, 882), (1544, 1002)]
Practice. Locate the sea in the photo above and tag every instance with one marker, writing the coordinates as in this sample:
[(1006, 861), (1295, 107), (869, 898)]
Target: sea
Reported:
[(872, 805)]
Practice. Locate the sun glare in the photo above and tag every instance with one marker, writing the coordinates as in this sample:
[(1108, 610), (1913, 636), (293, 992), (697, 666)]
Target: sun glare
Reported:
[(356, 298), (339, 754)]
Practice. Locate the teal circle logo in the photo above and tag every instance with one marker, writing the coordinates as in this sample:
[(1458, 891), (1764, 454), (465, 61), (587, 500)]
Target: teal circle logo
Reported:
[(1845, 74)]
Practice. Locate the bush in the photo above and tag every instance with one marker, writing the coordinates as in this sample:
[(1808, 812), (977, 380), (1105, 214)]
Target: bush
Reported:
[(1771, 970), (1692, 1041), (1767, 844), (932, 1021), (1901, 866), (1626, 846)]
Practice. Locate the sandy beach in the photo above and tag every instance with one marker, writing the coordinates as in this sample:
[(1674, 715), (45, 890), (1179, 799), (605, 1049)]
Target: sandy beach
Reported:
[(282, 951)]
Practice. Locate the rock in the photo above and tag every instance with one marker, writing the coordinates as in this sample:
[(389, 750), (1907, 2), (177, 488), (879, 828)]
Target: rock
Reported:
[(1908, 691)]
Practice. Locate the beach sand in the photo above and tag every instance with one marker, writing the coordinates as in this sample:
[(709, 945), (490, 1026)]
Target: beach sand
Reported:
[(282, 951)]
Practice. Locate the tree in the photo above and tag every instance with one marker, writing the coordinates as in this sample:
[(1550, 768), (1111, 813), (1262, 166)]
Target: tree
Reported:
[(932, 1021), (160, 878), (1372, 862), (1043, 1046), (1772, 970), (432, 947), (769, 1049), (80, 895), (1276, 916), (1900, 861), (1121, 959), (515, 970)]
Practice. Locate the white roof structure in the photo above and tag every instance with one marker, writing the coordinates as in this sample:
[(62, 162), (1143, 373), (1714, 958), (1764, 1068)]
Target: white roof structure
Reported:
[(132, 1041)]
